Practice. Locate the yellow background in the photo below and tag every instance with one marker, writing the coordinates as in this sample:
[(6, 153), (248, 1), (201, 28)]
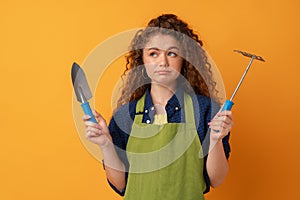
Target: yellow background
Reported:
[(41, 154)]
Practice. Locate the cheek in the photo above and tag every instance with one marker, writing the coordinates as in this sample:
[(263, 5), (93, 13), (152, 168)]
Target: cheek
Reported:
[(149, 64), (149, 69), (177, 64), (148, 61)]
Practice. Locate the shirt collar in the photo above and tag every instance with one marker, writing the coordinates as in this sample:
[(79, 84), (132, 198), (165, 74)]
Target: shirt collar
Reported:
[(175, 101)]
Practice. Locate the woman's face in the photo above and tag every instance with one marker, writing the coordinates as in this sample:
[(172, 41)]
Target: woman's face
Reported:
[(161, 57)]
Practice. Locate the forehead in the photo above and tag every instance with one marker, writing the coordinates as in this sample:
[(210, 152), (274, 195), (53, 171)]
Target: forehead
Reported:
[(162, 41)]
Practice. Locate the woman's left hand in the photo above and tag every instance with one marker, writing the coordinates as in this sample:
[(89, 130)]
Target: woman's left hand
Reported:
[(220, 125)]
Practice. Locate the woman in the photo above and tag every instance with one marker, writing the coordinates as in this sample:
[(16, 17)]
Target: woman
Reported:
[(162, 142)]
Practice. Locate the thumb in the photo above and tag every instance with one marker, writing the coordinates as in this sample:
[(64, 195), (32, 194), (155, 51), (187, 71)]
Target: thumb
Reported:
[(99, 117)]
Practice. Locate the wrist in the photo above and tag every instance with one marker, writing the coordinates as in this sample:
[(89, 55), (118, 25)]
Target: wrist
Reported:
[(215, 143), (216, 140), (107, 146)]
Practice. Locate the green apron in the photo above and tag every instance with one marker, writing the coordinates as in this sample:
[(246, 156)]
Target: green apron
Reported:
[(166, 161)]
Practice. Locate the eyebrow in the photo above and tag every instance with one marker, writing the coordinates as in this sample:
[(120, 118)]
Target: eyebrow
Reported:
[(157, 49)]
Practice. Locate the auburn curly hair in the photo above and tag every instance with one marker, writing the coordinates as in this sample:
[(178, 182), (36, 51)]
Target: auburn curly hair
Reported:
[(196, 69)]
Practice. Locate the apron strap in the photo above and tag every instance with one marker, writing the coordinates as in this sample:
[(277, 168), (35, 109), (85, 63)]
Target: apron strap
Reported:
[(140, 109), (189, 109)]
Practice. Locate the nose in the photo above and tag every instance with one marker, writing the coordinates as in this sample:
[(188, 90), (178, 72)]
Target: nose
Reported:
[(163, 61)]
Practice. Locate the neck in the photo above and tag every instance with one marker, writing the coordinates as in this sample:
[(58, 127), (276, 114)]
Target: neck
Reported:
[(161, 94)]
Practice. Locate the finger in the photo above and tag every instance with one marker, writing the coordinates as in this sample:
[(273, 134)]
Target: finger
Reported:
[(220, 128), (215, 128), (228, 126), (90, 134), (221, 123), (227, 121), (91, 124), (102, 123), (96, 130), (96, 114), (226, 113), (86, 117), (216, 123), (224, 119), (99, 117), (225, 129)]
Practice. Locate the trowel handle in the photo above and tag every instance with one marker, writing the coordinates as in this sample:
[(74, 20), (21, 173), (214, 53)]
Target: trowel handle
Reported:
[(87, 110), (228, 105)]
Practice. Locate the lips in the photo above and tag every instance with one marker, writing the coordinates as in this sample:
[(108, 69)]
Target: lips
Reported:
[(163, 71)]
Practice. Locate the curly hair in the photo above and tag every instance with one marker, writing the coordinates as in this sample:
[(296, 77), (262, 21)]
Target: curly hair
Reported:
[(196, 70)]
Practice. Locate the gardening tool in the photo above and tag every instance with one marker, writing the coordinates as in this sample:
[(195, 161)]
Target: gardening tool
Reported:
[(82, 90), (228, 103)]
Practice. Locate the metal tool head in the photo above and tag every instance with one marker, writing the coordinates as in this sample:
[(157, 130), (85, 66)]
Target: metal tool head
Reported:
[(250, 55), (80, 84)]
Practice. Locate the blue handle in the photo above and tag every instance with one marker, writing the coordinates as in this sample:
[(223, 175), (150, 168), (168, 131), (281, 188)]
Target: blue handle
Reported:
[(87, 110), (228, 105)]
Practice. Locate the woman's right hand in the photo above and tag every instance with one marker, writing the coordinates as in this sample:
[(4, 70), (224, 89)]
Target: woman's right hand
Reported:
[(97, 133)]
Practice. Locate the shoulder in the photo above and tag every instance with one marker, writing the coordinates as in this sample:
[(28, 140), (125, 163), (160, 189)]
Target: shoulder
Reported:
[(123, 118), (126, 110)]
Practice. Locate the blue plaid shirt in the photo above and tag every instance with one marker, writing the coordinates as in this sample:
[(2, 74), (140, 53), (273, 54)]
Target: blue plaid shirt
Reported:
[(204, 110)]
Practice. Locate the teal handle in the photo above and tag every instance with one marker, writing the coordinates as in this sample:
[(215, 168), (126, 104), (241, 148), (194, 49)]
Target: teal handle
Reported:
[(87, 110), (228, 105)]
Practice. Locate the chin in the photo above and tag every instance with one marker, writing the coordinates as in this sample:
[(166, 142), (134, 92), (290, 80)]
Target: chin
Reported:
[(165, 83)]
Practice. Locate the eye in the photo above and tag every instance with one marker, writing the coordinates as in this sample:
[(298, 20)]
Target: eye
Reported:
[(153, 54), (172, 54)]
